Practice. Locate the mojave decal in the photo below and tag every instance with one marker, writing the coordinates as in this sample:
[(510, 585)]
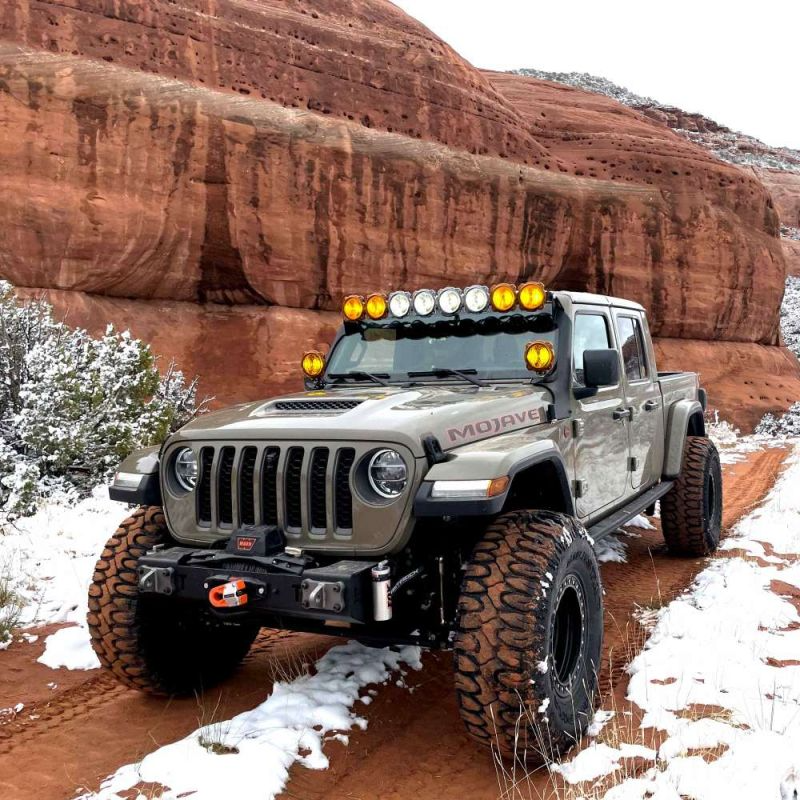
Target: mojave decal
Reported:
[(494, 425)]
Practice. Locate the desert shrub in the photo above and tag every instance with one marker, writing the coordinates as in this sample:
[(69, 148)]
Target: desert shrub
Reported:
[(72, 406)]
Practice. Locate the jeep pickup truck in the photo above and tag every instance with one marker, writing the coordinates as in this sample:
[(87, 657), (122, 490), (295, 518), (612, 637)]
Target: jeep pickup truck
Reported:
[(442, 481)]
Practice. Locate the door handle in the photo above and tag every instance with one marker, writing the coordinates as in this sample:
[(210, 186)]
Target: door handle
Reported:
[(622, 413), (651, 405)]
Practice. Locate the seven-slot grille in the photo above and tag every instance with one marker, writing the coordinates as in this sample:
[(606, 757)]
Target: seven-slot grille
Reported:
[(301, 489)]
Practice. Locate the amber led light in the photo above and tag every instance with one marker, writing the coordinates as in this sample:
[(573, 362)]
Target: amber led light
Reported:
[(313, 364), (539, 356), (353, 307), (532, 296), (377, 306), (504, 297)]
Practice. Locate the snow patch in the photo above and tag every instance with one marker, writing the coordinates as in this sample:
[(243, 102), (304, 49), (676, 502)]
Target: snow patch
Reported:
[(70, 648), (261, 745)]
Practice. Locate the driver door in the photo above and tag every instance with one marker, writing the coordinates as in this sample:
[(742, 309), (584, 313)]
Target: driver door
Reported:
[(601, 435)]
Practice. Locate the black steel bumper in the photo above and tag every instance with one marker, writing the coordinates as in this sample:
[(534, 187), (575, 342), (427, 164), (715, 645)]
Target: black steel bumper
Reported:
[(275, 585)]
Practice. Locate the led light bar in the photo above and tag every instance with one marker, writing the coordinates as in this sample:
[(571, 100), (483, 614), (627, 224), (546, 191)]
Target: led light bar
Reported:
[(502, 298)]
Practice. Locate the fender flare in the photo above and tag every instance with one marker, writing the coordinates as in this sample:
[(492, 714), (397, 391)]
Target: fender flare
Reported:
[(682, 415), (137, 481), (427, 506)]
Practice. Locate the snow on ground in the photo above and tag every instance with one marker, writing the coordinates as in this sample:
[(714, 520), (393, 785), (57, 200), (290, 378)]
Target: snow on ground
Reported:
[(720, 672), (49, 559), (257, 748)]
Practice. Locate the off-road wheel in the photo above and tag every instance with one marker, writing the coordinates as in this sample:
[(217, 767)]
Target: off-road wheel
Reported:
[(529, 638), (155, 644), (691, 512)]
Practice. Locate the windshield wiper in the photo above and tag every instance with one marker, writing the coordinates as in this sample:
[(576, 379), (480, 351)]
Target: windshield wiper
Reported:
[(360, 376), (446, 372)]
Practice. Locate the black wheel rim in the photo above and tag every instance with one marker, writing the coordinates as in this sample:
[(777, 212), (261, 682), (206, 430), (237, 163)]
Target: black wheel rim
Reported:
[(568, 634)]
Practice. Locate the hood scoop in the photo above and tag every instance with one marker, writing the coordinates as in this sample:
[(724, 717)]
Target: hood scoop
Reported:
[(314, 406)]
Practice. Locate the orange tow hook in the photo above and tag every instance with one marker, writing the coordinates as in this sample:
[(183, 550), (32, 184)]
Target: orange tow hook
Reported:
[(228, 595)]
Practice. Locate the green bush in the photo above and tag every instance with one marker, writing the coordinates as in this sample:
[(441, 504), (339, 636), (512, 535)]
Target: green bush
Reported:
[(72, 406)]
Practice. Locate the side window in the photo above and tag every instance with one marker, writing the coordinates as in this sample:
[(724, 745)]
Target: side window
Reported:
[(591, 333), (632, 343)]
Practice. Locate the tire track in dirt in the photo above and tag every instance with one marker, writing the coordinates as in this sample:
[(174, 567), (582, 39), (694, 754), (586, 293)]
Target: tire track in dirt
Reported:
[(415, 746)]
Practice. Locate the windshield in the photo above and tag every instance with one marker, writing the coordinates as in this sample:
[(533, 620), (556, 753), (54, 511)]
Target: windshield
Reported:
[(491, 348)]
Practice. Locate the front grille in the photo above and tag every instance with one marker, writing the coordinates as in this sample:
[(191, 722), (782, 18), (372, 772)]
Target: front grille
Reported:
[(303, 490), (316, 405)]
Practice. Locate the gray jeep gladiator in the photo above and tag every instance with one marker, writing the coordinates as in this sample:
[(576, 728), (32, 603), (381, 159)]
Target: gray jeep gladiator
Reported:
[(442, 481)]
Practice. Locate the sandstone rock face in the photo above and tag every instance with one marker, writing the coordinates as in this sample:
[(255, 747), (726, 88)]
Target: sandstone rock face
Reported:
[(784, 186), (216, 174)]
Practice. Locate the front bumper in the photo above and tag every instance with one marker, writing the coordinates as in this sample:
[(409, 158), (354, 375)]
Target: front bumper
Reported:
[(270, 586)]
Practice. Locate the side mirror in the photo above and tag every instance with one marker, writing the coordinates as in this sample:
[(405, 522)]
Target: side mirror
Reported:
[(600, 368)]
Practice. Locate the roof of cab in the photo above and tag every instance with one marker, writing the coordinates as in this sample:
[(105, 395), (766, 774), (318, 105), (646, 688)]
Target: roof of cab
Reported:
[(587, 299)]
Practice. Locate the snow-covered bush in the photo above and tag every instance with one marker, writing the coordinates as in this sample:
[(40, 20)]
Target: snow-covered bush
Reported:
[(71, 406), (790, 315)]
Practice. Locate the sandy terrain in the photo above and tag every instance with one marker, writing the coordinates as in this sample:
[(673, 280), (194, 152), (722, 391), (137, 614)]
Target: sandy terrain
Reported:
[(70, 737)]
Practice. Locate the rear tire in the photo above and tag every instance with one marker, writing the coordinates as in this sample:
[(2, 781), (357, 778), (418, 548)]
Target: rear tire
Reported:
[(529, 638), (155, 644), (691, 512)]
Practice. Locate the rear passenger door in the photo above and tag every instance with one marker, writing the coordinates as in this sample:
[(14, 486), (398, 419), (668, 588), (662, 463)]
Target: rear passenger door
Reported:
[(601, 434), (643, 397)]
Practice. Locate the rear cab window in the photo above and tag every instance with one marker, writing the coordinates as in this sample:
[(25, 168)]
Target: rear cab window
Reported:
[(634, 357)]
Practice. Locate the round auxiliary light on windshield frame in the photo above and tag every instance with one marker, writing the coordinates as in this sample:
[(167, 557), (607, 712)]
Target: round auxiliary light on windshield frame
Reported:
[(377, 306), (539, 356), (504, 297), (532, 296), (450, 300), (424, 302), (476, 299), (400, 304), (313, 364), (353, 307)]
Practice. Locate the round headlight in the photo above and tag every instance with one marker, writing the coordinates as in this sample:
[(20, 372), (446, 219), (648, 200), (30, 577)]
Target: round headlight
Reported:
[(450, 301), (186, 469), (388, 474), (424, 302), (400, 304), (476, 299)]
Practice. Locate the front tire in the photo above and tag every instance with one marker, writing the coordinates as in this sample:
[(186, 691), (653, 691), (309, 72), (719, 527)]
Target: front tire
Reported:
[(155, 644), (691, 512), (529, 638)]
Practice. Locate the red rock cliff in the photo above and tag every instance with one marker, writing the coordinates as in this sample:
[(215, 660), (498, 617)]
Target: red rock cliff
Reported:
[(216, 174)]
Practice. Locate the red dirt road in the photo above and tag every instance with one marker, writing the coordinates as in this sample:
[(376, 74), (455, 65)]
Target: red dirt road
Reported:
[(67, 739)]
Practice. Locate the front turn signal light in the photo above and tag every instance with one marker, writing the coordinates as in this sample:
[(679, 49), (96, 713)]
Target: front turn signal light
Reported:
[(353, 307), (504, 297), (539, 356), (377, 306), (532, 296), (313, 364)]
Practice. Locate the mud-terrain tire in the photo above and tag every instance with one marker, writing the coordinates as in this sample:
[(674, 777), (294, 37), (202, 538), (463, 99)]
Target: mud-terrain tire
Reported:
[(529, 637), (691, 512), (155, 644)]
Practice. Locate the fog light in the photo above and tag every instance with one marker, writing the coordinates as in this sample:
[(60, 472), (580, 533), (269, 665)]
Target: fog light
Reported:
[(313, 364), (539, 356), (504, 297), (450, 300), (424, 302), (400, 304), (476, 299), (353, 307), (377, 306), (532, 296)]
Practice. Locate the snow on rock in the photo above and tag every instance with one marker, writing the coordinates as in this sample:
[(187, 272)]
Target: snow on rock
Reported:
[(261, 745), (729, 645), (50, 560), (70, 648)]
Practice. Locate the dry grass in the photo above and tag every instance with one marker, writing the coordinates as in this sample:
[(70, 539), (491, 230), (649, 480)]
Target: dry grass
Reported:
[(10, 609)]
